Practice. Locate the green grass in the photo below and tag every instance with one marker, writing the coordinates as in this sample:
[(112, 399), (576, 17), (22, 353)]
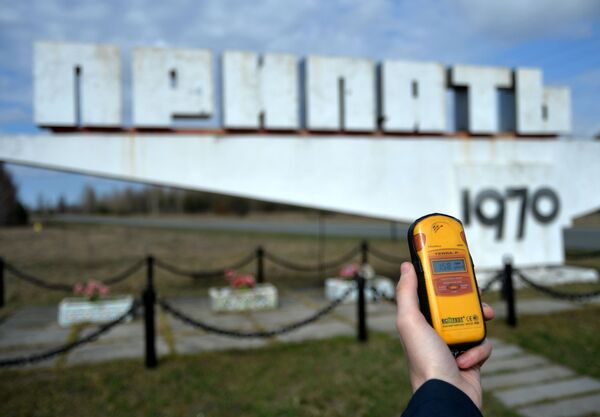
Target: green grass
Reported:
[(572, 338), (334, 377)]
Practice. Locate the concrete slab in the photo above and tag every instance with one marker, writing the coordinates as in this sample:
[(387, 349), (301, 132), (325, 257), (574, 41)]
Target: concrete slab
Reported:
[(232, 321), (49, 335), (531, 394), (513, 379), (131, 330), (518, 363), (32, 317), (100, 352), (580, 406), (506, 351)]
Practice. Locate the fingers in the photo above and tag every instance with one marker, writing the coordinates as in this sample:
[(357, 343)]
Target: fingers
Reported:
[(475, 356), (488, 312)]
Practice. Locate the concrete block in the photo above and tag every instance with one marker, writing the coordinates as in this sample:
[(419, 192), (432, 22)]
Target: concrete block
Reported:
[(76, 84), (260, 92), (413, 96), (581, 406), (340, 94), (540, 110), (169, 83), (521, 362), (506, 351), (482, 84), (530, 394), (546, 373)]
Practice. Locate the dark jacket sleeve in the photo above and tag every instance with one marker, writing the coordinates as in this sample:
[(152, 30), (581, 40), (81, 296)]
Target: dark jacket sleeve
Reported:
[(437, 398)]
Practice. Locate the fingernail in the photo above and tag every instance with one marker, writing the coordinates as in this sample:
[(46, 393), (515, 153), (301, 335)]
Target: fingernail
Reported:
[(405, 267)]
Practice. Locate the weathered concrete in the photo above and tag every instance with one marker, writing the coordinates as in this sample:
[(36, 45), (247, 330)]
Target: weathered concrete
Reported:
[(580, 406), (521, 362), (539, 392), (506, 351), (512, 379)]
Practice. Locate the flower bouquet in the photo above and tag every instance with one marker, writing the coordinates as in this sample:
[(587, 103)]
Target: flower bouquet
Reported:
[(92, 304), (242, 294)]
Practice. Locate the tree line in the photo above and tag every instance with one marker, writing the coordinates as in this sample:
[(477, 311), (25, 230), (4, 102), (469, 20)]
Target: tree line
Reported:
[(157, 200)]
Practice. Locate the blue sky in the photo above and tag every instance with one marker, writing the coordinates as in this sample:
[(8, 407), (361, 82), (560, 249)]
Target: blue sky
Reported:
[(561, 37)]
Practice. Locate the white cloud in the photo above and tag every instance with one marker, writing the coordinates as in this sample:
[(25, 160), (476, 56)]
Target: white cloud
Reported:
[(522, 20), (464, 31)]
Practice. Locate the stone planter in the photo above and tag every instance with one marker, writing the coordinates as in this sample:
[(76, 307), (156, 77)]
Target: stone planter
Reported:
[(336, 287), (81, 310), (226, 299)]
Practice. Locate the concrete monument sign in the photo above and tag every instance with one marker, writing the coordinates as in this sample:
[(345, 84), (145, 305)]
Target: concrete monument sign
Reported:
[(514, 194)]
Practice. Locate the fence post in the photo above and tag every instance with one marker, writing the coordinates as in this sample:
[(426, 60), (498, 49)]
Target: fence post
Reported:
[(361, 309), (260, 265), (149, 297), (1, 282), (364, 252), (509, 293)]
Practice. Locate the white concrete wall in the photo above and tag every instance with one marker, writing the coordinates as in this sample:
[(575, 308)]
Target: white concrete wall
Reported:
[(323, 107), (99, 101), (267, 85), (482, 84), (404, 111), (169, 83), (385, 178), (532, 97)]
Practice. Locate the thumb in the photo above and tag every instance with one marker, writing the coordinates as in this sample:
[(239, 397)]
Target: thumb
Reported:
[(406, 290)]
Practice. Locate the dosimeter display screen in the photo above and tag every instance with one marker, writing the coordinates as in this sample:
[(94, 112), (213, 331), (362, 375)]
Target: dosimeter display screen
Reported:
[(451, 265)]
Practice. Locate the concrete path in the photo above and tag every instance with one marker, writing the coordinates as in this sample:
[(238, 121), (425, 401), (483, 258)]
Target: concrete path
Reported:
[(529, 383), (537, 387)]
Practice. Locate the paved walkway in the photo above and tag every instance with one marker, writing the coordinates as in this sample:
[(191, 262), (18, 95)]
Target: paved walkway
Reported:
[(529, 383)]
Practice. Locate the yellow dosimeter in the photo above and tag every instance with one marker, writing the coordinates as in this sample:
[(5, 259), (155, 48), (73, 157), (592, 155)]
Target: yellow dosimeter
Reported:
[(447, 288)]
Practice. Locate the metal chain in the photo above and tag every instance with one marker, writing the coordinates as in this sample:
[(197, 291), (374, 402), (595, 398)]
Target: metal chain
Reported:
[(203, 273), (554, 293), (264, 333), (312, 268), (488, 285), (379, 294), (385, 256), (37, 357), (56, 286)]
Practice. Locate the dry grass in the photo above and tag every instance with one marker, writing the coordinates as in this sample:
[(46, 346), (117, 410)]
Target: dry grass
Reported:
[(71, 253)]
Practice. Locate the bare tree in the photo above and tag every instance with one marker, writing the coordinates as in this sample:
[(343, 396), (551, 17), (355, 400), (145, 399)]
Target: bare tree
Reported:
[(12, 211)]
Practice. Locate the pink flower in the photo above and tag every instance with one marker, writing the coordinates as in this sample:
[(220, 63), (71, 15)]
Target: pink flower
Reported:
[(348, 271), (78, 288), (243, 281), (92, 289)]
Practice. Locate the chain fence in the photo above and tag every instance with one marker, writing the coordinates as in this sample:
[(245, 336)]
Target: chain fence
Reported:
[(376, 253), (336, 263), (55, 286), (253, 334), (101, 330), (554, 292), (200, 274)]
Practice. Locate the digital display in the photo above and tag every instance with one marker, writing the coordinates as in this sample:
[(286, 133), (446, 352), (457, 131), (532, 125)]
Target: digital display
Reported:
[(450, 265)]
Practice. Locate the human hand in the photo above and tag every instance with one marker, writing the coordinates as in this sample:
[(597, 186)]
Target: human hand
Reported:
[(428, 355)]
